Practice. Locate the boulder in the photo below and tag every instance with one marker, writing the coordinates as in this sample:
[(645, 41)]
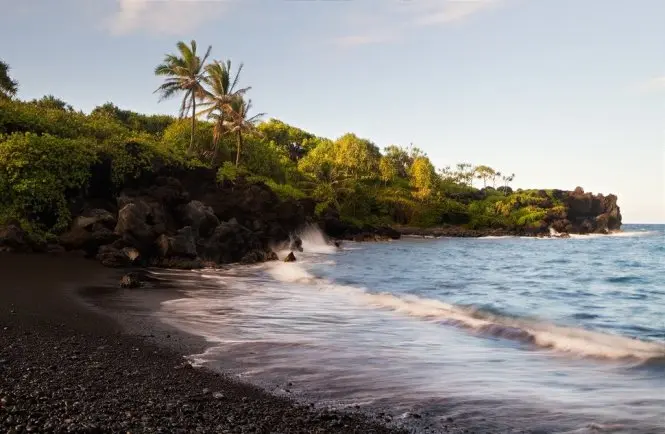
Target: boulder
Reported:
[(257, 256), (130, 280), (112, 256), (140, 222), (90, 231), (290, 258), (183, 244), (200, 217), (229, 242), (14, 239)]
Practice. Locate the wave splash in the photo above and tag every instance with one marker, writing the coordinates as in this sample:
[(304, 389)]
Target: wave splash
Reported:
[(575, 341)]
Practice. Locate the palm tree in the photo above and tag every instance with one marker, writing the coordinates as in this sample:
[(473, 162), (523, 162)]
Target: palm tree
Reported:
[(8, 87), (222, 92), (237, 120), (184, 72)]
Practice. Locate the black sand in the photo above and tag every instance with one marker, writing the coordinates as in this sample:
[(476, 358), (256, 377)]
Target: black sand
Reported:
[(66, 368)]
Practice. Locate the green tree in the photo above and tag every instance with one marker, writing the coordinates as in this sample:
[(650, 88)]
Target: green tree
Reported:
[(387, 169), (423, 178), (464, 174), (358, 158), (222, 92), (239, 122), (8, 87), (484, 173), (184, 72), (177, 139), (296, 142), (507, 179), (51, 102)]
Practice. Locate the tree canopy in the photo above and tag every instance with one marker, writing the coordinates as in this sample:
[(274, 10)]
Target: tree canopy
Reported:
[(348, 174)]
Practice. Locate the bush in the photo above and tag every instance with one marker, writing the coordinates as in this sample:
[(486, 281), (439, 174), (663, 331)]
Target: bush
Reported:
[(228, 172), (38, 173)]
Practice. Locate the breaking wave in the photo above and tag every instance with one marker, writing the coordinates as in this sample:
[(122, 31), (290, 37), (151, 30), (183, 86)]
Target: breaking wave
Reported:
[(575, 341)]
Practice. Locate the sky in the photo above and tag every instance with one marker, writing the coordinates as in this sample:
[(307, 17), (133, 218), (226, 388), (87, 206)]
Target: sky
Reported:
[(563, 93)]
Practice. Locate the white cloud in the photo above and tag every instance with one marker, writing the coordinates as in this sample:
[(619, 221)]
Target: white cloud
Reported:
[(396, 19), (654, 85), (172, 17), (438, 12)]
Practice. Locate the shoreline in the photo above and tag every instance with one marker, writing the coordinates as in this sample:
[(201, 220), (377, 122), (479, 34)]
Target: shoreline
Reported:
[(67, 366)]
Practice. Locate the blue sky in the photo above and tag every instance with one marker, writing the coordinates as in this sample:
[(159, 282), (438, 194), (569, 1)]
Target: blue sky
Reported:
[(560, 92)]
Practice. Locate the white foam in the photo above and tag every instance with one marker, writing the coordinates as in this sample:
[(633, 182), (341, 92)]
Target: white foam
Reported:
[(565, 339), (289, 272), (314, 241)]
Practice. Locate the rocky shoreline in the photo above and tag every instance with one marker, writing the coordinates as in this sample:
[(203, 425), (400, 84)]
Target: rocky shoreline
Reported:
[(188, 219), (66, 368)]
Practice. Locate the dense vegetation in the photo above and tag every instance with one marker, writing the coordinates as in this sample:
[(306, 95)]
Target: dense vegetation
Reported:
[(47, 150)]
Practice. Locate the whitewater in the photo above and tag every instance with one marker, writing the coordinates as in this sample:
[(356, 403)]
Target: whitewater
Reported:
[(504, 334)]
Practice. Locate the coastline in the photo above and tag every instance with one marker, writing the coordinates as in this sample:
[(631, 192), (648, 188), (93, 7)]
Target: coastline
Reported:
[(67, 366)]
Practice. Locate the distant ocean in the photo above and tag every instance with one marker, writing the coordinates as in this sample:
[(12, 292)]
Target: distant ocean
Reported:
[(502, 334)]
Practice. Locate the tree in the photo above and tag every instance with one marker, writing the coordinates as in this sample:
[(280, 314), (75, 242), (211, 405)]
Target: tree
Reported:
[(51, 102), (359, 158), (506, 181), (221, 93), (485, 173), (8, 87), (184, 73), (296, 142), (387, 169), (494, 178), (238, 121), (402, 158), (423, 177), (465, 173)]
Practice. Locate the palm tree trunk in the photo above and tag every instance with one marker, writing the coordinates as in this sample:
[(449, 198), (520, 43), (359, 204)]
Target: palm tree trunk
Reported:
[(191, 141), (239, 146)]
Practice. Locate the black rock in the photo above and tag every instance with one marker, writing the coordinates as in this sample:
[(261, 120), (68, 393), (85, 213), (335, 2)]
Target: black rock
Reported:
[(130, 280), (290, 258)]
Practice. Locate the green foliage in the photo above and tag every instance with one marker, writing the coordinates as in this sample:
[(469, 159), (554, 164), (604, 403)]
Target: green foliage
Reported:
[(177, 141), (296, 143), (423, 178), (266, 159), (283, 191), (8, 86), (528, 216), (152, 124), (132, 157), (388, 170), (36, 174), (228, 172)]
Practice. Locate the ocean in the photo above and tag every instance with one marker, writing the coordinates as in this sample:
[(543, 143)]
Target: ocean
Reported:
[(504, 334)]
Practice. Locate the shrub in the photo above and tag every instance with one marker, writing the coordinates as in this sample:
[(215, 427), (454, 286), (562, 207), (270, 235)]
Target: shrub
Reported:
[(37, 173)]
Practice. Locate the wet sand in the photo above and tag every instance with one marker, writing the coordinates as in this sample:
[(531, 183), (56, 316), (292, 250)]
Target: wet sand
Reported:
[(67, 367)]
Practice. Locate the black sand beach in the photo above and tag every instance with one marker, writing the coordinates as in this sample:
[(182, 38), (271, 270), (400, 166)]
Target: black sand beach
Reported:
[(66, 368)]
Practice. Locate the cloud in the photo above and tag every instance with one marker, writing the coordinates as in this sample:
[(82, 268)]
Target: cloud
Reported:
[(451, 11), (167, 17), (396, 19), (654, 85)]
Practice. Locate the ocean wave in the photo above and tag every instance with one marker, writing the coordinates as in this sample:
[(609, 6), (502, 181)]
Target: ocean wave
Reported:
[(485, 322), (566, 339)]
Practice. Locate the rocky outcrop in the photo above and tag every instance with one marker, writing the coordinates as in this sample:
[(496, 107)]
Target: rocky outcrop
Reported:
[(89, 231), (588, 213), (290, 258), (177, 218), (14, 239)]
